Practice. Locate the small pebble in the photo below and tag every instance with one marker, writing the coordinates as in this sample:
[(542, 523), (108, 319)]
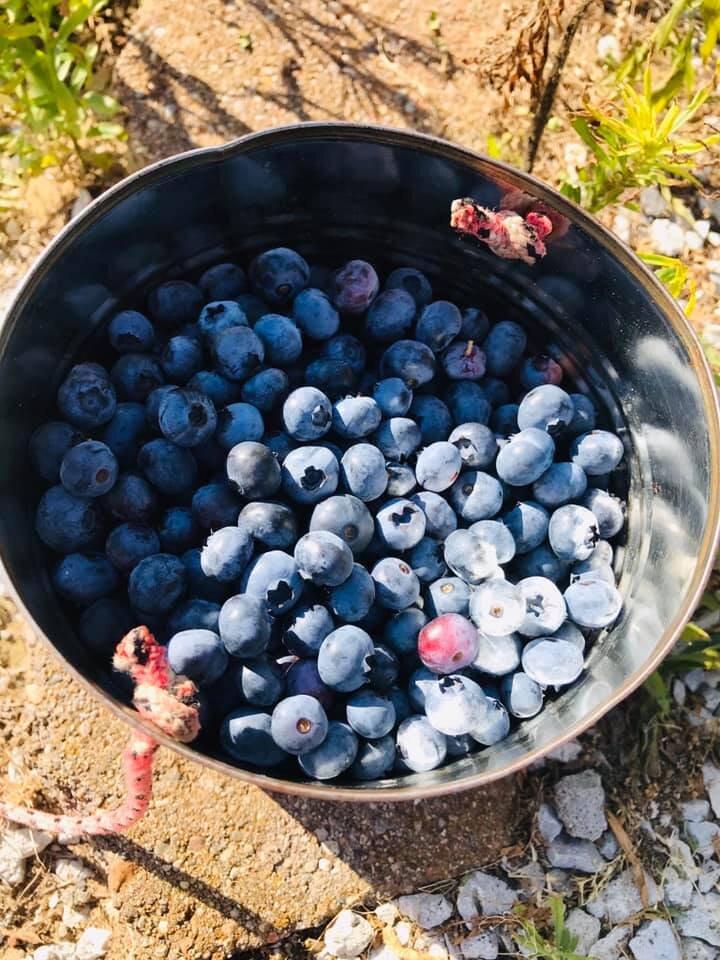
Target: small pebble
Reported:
[(348, 935)]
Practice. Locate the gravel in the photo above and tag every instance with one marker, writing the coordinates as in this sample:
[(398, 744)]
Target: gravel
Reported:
[(584, 927), (611, 947), (621, 898), (695, 811), (711, 778), (482, 893), (701, 921), (17, 844), (580, 804), (571, 854), (428, 910), (655, 941), (348, 935), (667, 238), (548, 824), (484, 946)]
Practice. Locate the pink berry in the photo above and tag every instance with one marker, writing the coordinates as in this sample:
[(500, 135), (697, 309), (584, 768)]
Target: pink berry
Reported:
[(464, 360), (448, 643), (539, 370)]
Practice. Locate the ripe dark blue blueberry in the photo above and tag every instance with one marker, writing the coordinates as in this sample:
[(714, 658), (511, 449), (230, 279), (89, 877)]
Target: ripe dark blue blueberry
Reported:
[(131, 332), (299, 724), (323, 558), (181, 358), (335, 754), (391, 316), (561, 483), (545, 609), (226, 553), (130, 543), (369, 714), (86, 397), (169, 468), (585, 416), (343, 658), (238, 352), (66, 523), (253, 470), (420, 746), (503, 347), (123, 434), (278, 275), (438, 466), (475, 325), (271, 524), (310, 474), (538, 370), (476, 443), (267, 389), (400, 524), (448, 595), (215, 387), (375, 758), (303, 678), (274, 577), (132, 498), (467, 402), (218, 316), (49, 444), (396, 586), (438, 325), (469, 557), (573, 532), (348, 518), (593, 603), (237, 423), (546, 407), (609, 511), (157, 583), (307, 414), (413, 362), (89, 469), (476, 495), (401, 479), (187, 417), (398, 438), (136, 375), (597, 452), (335, 378), (427, 560), (352, 600), (393, 396), (315, 315), (197, 654), (525, 457), (528, 523), (175, 303), (363, 471), (244, 626), (281, 339), (83, 578), (215, 505), (103, 624), (355, 417), (194, 614), (261, 682), (401, 631), (433, 418), (440, 518), (246, 736), (224, 281), (413, 282)]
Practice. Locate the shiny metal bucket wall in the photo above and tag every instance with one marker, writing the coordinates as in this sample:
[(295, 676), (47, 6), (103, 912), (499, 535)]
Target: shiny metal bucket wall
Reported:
[(336, 191)]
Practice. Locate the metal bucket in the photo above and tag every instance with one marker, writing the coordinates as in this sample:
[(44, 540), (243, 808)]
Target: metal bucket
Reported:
[(336, 191)]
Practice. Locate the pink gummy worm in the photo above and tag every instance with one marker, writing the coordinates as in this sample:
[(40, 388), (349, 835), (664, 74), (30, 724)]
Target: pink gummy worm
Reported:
[(160, 697), (506, 232)]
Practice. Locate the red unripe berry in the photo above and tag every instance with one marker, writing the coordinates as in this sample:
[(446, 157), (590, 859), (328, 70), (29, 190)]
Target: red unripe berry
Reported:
[(448, 643)]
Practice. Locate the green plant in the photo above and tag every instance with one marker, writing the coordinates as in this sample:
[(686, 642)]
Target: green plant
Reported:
[(49, 107), (535, 945), (675, 275)]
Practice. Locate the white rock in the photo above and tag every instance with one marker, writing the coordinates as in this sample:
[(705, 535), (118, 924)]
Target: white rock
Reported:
[(566, 752), (655, 941), (348, 935), (702, 228), (580, 804), (709, 878), (666, 237), (679, 692), (72, 917), (710, 695), (702, 836), (700, 922), (383, 953), (652, 202), (693, 679), (72, 872), (608, 47), (548, 823), (697, 950), (55, 951), (611, 946), (695, 811), (584, 927), (93, 943), (428, 910), (436, 945), (484, 946), (16, 846), (681, 857), (403, 931), (713, 238), (711, 778), (676, 889), (83, 199), (608, 845), (558, 880), (622, 227), (531, 877), (482, 893), (571, 854), (387, 913), (621, 898), (693, 241)]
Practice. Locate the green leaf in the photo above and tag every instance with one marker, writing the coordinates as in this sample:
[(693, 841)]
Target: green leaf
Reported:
[(107, 131), (101, 104)]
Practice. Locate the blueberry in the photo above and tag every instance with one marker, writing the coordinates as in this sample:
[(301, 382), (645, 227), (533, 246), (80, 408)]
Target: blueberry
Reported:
[(448, 595), (528, 523), (504, 419), (427, 560), (266, 390), (281, 339), (354, 287), (215, 387), (522, 696), (393, 397), (48, 445), (551, 662), (400, 524), (152, 404), (307, 414), (279, 443), (587, 569), (541, 561), (86, 397), (573, 532), (66, 523), (370, 715), (420, 746), (347, 348), (169, 468), (398, 438), (391, 316), (497, 608), (253, 307), (315, 315), (103, 624), (275, 578), (496, 390), (438, 325), (334, 755), (83, 578), (545, 608), (272, 524), (244, 626), (181, 358), (375, 759), (608, 510), (401, 702), (593, 603), (475, 325), (561, 483), (215, 505), (503, 347), (132, 498), (440, 519), (130, 543), (355, 417), (310, 474), (131, 332), (207, 588), (546, 408), (539, 370), (157, 583), (476, 495), (303, 678), (343, 658), (433, 418), (464, 360), (348, 518), (88, 469), (123, 433), (363, 471), (174, 303), (324, 558), (246, 736), (497, 655), (525, 457), (585, 415), (261, 682), (413, 282), (411, 361), (197, 654), (570, 632), (299, 724), (419, 682), (218, 316), (238, 423), (238, 352), (194, 614), (597, 452), (335, 378), (494, 726), (497, 535), (438, 466), (476, 444), (226, 553), (401, 479), (469, 557), (136, 375), (384, 668), (459, 746), (253, 470), (224, 281), (467, 402), (401, 631), (279, 275), (187, 417), (396, 586), (353, 599), (455, 705), (308, 626)]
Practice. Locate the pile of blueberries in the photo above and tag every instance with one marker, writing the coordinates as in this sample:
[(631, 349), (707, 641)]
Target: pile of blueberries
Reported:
[(370, 526)]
